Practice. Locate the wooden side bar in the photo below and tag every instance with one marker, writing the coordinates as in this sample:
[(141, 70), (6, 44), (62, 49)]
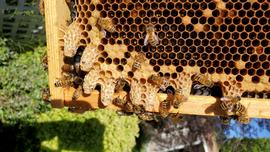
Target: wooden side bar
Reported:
[(56, 15), (196, 105)]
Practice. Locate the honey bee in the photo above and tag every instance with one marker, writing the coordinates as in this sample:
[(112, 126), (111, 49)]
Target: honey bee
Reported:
[(119, 102), (139, 59), (178, 98), (164, 108), (161, 82), (41, 7), (105, 24), (65, 81), (138, 109), (240, 109), (151, 36), (68, 68), (77, 93), (72, 8), (88, 58), (44, 62), (228, 104), (176, 117), (199, 89), (203, 79), (147, 116), (68, 81), (120, 84), (129, 107), (46, 95)]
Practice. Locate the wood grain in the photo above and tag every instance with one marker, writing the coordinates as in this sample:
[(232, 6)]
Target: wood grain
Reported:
[(196, 105), (56, 14)]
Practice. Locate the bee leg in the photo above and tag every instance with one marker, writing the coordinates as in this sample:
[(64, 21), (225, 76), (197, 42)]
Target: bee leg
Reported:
[(243, 119), (225, 120)]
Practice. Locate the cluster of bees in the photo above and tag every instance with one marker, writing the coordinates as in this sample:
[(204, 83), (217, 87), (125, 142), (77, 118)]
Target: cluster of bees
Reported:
[(85, 74)]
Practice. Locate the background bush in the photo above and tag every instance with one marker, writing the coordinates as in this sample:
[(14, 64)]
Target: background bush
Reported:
[(21, 80), (29, 124)]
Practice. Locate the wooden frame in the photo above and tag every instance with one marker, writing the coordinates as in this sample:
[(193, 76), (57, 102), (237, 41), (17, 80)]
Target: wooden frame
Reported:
[(56, 15)]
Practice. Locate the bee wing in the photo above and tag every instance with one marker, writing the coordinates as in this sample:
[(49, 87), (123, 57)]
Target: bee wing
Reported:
[(198, 86), (146, 40), (156, 37), (224, 99)]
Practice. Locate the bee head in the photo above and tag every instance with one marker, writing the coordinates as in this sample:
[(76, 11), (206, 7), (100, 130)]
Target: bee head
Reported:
[(150, 28)]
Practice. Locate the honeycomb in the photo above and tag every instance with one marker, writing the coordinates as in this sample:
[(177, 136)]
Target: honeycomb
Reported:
[(226, 40)]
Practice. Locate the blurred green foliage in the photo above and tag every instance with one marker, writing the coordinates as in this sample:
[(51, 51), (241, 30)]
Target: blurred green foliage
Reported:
[(102, 130), (60, 130), (29, 124), (246, 145), (22, 78)]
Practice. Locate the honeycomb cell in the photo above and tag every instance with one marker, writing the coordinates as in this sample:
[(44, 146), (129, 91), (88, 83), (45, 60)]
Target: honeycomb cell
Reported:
[(152, 62), (228, 57), (219, 70), (160, 49), (112, 41), (227, 70), (101, 60), (255, 6), (99, 7), (243, 72), (179, 69), (255, 42), (187, 6), (223, 63), (265, 65), (242, 13), (168, 49), (108, 61), (255, 79), (264, 6), (207, 63), (130, 74), (260, 72), (205, 42), (168, 62), (126, 14), (156, 68), (154, 6), (247, 6), (126, 41), (138, 48), (262, 57), (164, 55), (239, 78), (165, 42), (175, 62), (203, 70), (254, 21), (203, 20), (116, 61), (267, 13), (251, 72), (123, 61)]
